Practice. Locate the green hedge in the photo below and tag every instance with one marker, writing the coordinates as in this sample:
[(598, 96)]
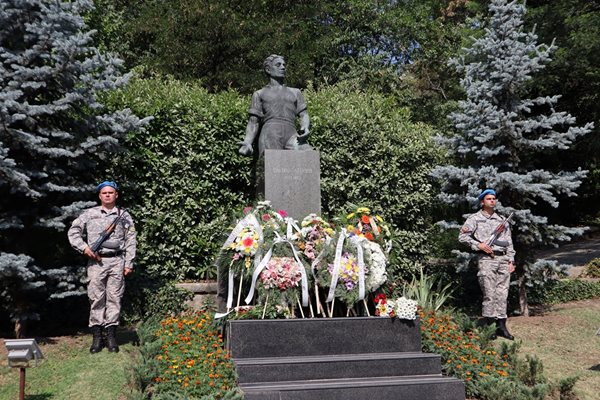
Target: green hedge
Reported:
[(183, 177), (566, 290)]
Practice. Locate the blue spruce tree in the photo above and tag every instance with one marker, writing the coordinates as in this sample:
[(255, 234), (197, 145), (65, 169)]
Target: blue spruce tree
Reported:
[(55, 136), (507, 142)]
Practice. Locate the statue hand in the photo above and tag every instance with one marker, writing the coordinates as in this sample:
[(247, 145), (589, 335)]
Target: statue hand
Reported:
[(245, 149), (303, 136)]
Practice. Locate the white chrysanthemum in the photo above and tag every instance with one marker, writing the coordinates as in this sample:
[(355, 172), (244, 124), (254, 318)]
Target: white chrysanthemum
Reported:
[(377, 265), (404, 308)]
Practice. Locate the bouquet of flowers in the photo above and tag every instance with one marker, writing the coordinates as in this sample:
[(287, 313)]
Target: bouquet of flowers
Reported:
[(372, 227), (401, 307), (315, 232), (280, 280)]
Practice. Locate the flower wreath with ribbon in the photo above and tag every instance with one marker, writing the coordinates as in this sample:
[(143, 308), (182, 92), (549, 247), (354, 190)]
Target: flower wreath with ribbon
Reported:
[(343, 271), (361, 223)]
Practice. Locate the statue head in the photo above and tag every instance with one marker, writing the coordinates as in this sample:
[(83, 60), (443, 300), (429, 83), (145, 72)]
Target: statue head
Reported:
[(274, 66)]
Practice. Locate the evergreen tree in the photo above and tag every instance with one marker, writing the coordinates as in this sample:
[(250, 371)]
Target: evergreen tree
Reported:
[(54, 138), (504, 139)]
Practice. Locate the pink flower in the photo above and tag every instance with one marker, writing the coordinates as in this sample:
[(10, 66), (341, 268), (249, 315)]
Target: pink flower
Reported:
[(247, 210), (283, 213), (266, 217)]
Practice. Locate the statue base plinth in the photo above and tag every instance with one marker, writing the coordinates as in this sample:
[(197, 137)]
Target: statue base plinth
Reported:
[(291, 181)]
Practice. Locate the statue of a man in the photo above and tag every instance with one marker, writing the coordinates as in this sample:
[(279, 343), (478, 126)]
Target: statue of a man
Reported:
[(274, 110)]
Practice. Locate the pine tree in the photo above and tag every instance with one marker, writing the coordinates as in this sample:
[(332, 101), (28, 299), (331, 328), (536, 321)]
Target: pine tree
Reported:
[(55, 136), (507, 142)]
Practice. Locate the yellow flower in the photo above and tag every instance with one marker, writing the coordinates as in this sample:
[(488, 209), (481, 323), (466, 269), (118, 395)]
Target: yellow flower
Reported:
[(363, 210), (379, 218), (350, 228), (351, 215)]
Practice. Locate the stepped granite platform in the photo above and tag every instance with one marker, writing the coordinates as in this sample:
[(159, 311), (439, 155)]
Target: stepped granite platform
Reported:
[(336, 359)]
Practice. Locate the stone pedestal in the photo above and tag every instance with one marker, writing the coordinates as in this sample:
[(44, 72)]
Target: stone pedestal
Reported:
[(290, 180), (204, 293)]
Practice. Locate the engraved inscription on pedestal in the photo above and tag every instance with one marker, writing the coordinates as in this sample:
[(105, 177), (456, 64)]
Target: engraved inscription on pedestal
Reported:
[(291, 181)]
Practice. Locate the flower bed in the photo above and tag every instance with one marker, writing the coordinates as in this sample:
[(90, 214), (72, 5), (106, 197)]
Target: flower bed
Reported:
[(462, 353), (191, 360)]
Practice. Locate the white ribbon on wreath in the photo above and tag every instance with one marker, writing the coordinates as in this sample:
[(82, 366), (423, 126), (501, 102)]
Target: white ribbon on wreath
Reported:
[(355, 240), (248, 221), (264, 263)]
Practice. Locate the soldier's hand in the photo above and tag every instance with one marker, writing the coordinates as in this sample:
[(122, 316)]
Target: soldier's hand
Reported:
[(485, 248), (245, 149), (127, 271), (91, 255), (511, 267)]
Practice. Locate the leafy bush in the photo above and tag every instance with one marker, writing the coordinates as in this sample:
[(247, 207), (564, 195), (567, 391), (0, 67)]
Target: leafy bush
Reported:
[(182, 357), (429, 291), (592, 269), (566, 290), (183, 177)]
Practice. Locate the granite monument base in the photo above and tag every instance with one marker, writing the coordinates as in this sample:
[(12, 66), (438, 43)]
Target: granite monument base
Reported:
[(359, 358), (290, 180)]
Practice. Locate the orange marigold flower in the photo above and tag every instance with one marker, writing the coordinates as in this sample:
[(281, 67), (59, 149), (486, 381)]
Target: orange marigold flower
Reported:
[(365, 219)]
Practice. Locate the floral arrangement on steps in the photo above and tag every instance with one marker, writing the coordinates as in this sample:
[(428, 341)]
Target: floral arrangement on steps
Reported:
[(311, 268)]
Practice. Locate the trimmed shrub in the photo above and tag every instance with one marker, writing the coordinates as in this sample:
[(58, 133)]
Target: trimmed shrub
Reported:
[(183, 177), (566, 290)]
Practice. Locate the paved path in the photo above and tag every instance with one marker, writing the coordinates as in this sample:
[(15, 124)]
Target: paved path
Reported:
[(577, 253)]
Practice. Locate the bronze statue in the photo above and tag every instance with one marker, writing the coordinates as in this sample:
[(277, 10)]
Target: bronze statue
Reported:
[(274, 110)]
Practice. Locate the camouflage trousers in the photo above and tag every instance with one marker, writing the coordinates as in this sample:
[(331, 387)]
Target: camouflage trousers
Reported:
[(105, 290), (494, 279)]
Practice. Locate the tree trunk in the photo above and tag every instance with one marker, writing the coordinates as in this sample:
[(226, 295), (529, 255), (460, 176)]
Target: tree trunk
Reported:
[(523, 306)]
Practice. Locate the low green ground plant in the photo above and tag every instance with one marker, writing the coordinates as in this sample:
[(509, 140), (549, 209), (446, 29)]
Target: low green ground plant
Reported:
[(592, 269)]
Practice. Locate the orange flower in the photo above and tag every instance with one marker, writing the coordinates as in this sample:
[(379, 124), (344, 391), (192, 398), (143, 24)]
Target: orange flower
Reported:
[(365, 220), (369, 236)]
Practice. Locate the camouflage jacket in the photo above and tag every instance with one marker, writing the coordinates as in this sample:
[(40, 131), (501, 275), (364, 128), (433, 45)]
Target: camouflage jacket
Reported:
[(479, 227), (86, 229)]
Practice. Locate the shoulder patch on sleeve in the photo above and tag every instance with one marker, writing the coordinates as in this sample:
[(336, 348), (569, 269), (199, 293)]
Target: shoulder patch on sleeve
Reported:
[(465, 229)]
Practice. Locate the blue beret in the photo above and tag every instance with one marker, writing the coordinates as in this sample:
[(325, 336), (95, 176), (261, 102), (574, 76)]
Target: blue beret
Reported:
[(486, 192), (107, 183)]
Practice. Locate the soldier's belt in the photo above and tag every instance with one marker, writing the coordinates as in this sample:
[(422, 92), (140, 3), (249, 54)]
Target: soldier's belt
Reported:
[(108, 254), (499, 252)]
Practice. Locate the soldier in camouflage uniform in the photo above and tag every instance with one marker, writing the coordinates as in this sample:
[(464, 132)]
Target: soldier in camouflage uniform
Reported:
[(495, 262), (107, 268)]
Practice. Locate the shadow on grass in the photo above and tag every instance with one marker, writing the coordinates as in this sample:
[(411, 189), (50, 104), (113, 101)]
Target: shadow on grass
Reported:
[(43, 396), (595, 368), (128, 336)]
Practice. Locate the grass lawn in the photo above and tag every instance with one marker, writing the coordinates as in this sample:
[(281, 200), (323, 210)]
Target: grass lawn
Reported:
[(564, 338), (70, 372)]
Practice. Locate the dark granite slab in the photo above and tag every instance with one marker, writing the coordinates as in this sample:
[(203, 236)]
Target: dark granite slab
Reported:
[(273, 369), (321, 336)]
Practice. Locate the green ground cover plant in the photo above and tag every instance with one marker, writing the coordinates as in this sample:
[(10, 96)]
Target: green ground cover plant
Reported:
[(183, 357)]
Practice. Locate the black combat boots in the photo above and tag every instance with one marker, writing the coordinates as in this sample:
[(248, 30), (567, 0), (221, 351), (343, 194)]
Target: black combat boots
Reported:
[(501, 329), (111, 339), (97, 340)]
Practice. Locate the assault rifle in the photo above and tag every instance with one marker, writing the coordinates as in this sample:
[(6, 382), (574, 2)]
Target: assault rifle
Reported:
[(498, 231), (107, 232)]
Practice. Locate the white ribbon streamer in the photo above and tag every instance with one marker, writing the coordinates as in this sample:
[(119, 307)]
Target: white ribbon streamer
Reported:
[(336, 265), (248, 221), (355, 240)]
